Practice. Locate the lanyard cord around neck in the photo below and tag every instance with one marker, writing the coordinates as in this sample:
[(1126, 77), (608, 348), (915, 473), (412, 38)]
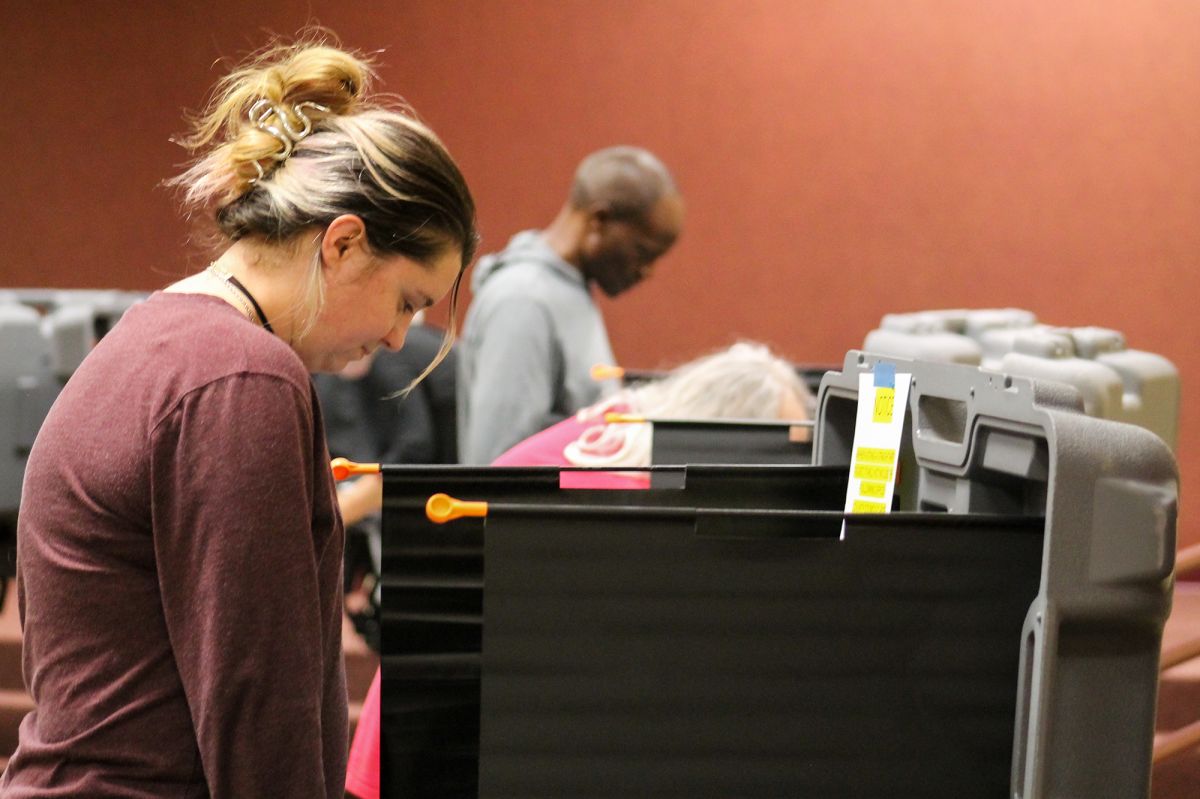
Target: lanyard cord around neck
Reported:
[(237, 284)]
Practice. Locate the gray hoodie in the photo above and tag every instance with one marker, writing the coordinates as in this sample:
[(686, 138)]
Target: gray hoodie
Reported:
[(531, 337)]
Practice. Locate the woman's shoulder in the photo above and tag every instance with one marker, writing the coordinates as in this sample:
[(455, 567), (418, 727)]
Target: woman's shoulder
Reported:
[(191, 340)]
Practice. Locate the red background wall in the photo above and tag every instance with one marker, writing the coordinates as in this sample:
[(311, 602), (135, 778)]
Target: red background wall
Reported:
[(840, 160)]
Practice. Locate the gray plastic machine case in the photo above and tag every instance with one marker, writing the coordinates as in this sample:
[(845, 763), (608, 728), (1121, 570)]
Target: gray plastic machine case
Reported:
[(986, 442), (1114, 382)]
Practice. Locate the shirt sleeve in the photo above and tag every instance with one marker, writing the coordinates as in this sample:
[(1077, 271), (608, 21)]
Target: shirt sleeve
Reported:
[(515, 379), (237, 561)]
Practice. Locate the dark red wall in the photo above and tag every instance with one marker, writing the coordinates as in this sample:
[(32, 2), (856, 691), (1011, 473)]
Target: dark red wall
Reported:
[(840, 160)]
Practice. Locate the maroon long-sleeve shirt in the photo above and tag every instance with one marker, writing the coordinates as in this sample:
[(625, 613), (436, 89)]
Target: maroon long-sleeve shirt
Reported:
[(179, 566)]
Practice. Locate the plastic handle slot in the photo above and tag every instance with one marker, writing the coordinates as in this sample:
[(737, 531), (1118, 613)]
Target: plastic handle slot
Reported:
[(604, 371), (623, 418), (442, 508)]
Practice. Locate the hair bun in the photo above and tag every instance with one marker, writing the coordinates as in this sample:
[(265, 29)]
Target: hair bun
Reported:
[(311, 73), (258, 112)]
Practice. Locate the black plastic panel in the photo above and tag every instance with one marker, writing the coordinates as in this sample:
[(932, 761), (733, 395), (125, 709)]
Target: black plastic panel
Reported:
[(628, 656)]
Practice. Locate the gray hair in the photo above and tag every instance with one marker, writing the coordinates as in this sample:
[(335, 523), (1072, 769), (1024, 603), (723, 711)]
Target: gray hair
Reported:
[(743, 382)]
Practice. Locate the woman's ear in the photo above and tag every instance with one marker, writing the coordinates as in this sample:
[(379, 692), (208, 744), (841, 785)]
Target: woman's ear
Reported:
[(344, 242)]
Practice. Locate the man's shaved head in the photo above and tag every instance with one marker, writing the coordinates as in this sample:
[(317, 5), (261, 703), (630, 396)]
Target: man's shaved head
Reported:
[(626, 181)]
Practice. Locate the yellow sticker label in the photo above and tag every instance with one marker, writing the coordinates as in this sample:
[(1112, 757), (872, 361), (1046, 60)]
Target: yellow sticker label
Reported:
[(863, 506), (869, 471), (869, 488), (885, 400), (875, 455)]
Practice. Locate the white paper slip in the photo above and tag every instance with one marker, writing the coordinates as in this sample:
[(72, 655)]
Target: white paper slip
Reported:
[(878, 428)]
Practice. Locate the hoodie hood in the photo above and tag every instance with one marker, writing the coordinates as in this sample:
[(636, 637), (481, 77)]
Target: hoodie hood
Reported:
[(526, 246)]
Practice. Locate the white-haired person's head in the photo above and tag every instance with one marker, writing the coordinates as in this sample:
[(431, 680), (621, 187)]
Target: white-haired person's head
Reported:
[(745, 381)]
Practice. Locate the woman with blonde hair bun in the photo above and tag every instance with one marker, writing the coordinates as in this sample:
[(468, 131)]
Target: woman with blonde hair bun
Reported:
[(179, 544)]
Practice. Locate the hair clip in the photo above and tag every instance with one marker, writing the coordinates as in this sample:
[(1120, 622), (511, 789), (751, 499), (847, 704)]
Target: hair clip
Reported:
[(261, 112), (261, 174), (298, 111)]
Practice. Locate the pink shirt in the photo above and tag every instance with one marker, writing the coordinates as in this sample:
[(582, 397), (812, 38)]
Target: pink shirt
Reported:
[(546, 449), (362, 777)]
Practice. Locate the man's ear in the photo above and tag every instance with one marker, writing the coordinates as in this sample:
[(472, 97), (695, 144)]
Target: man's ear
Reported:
[(344, 240), (592, 236), (595, 230)]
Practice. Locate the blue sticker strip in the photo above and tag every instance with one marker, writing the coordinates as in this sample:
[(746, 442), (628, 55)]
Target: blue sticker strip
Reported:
[(885, 375)]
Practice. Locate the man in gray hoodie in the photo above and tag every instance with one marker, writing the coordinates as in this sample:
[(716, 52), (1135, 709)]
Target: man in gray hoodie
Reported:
[(533, 331)]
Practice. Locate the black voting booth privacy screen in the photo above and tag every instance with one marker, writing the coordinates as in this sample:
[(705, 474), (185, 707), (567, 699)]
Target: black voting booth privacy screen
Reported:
[(642, 654), (724, 441), (433, 596), (811, 374), (912, 620)]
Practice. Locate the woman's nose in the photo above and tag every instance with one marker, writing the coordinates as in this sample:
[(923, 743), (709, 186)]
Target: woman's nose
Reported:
[(394, 340)]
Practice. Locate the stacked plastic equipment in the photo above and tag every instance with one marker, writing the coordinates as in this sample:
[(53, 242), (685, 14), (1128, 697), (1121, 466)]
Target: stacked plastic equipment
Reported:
[(1113, 381), (44, 335), (999, 638)]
